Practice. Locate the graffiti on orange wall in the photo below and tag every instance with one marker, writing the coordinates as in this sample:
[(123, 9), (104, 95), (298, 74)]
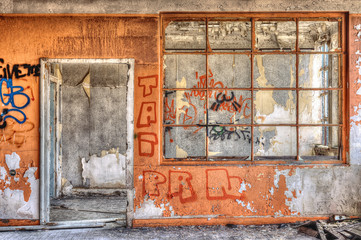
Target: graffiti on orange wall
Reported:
[(146, 117), (147, 114), (14, 98), (151, 182), (14, 133), (148, 83), (179, 185), (221, 186), (146, 143), (17, 71)]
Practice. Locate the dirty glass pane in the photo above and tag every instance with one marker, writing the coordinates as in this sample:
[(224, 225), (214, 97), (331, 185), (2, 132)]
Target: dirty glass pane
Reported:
[(275, 142), (185, 36), (184, 142), (229, 106), (185, 71), (319, 71), (275, 35), (274, 70), (320, 107), (229, 71), (320, 143), (229, 142), (228, 36), (275, 106), (320, 36), (184, 107)]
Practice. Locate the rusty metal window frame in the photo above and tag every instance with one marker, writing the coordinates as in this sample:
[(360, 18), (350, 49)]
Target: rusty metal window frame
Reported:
[(341, 17)]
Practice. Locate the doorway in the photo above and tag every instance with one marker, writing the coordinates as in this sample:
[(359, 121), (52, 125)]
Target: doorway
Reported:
[(86, 141)]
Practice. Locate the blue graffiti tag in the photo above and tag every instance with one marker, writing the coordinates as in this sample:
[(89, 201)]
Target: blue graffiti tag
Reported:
[(14, 91)]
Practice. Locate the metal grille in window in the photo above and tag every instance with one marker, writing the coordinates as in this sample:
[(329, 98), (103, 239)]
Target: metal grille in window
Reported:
[(253, 88)]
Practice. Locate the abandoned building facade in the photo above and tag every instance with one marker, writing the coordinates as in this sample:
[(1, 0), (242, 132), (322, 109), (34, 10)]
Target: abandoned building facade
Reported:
[(148, 114)]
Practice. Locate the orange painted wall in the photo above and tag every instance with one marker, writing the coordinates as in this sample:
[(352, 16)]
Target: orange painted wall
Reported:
[(207, 193), (27, 38)]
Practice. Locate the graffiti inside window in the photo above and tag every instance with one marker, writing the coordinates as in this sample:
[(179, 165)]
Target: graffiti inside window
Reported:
[(252, 89)]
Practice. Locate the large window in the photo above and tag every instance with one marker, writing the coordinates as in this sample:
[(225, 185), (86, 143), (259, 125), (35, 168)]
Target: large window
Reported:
[(251, 88)]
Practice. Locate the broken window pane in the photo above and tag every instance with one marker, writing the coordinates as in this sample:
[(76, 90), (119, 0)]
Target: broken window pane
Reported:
[(229, 106), (184, 142), (229, 71), (275, 35), (275, 141), (274, 71), (320, 143), (320, 107), (185, 36), (185, 71), (229, 36), (319, 71), (275, 106), (320, 36), (184, 107), (229, 142)]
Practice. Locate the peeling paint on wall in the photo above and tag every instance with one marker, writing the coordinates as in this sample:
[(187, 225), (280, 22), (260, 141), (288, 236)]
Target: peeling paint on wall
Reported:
[(107, 171), (19, 194)]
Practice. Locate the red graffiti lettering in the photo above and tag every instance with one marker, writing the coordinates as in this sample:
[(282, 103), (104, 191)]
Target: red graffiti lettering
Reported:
[(146, 143), (169, 112), (151, 182), (180, 186), (148, 83), (147, 114), (221, 186)]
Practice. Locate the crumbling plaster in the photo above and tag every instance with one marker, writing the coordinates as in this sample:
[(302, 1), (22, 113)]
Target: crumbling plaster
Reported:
[(146, 6)]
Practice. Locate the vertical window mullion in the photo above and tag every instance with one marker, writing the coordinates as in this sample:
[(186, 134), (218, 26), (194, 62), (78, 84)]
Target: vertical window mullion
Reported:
[(297, 92), (206, 98), (253, 39)]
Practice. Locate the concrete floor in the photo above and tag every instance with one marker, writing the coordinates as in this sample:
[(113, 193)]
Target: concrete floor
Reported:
[(278, 232)]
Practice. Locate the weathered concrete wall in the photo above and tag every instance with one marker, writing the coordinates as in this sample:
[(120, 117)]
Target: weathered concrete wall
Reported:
[(165, 194), (145, 6)]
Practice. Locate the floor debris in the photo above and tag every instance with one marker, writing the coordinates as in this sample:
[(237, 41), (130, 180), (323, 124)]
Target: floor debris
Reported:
[(338, 227)]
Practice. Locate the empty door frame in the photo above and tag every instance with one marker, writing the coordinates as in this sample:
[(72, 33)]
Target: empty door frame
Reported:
[(45, 135)]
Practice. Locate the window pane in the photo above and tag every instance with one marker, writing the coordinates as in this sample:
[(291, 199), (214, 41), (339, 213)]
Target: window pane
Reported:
[(319, 71), (273, 35), (277, 71), (184, 142), (229, 142), (275, 106), (229, 36), (184, 107), (185, 71), (277, 142), (317, 107), (229, 106), (320, 36), (229, 71), (185, 36), (320, 143)]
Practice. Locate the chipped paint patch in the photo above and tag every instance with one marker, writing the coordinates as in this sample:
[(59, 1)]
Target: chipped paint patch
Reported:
[(277, 176), (107, 171), (149, 209), (17, 205), (12, 161), (358, 28), (355, 144), (243, 187), (247, 206)]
